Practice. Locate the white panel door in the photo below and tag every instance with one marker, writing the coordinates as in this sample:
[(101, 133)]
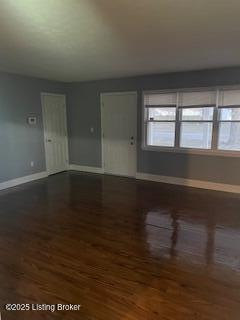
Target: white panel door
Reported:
[(55, 132), (119, 129)]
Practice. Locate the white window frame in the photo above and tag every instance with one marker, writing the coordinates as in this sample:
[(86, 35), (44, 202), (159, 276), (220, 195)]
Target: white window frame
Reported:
[(214, 151)]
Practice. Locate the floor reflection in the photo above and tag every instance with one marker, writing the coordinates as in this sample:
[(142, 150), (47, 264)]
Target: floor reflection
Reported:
[(171, 235)]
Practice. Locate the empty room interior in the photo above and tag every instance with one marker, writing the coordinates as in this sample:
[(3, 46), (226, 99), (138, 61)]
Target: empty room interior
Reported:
[(119, 160)]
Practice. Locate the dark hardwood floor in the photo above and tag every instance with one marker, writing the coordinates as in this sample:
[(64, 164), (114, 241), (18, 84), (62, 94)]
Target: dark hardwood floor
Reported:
[(123, 249)]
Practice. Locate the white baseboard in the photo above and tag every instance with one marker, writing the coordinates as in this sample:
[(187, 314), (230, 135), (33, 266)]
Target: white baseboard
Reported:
[(21, 180), (189, 182), (85, 168), (141, 176), (170, 180)]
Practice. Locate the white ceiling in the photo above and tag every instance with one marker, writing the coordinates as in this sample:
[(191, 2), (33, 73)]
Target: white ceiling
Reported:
[(77, 40)]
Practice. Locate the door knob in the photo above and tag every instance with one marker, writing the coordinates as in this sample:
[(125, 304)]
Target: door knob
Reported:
[(49, 140)]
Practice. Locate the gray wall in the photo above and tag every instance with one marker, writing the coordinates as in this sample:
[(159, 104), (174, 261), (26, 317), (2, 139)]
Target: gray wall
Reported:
[(84, 112), (20, 143)]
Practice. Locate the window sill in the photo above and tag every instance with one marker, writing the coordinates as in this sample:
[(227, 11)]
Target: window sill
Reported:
[(202, 152)]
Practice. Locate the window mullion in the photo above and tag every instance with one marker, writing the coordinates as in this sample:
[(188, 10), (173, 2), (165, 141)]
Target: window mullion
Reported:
[(215, 124), (178, 123), (145, 124), (196, 121), (228, 121), (161, 121)]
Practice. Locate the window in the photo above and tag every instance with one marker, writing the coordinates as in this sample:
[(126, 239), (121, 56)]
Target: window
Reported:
[(229, 120), (160, 119), (185, 120), (196, 118)]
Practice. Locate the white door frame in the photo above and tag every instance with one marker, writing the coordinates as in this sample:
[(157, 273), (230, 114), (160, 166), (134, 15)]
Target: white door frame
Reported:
[(102, 94), (44, 126)]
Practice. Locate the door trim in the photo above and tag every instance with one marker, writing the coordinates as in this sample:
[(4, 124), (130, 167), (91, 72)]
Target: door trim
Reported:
[(44, 126), (102, 94)]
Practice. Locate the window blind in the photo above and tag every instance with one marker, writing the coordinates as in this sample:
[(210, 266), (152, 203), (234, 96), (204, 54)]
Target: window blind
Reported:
[(229, 98), (160, 100), (197, 99)]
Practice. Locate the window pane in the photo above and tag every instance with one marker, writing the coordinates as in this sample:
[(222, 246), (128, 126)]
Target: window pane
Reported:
[(229, 136), (230, 114), (196, 135), (197, 113), (162, 113), (161, 134)]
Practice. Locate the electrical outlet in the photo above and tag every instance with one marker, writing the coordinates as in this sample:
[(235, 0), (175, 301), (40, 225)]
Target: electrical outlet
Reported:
[(32, 164), (91, 129)]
